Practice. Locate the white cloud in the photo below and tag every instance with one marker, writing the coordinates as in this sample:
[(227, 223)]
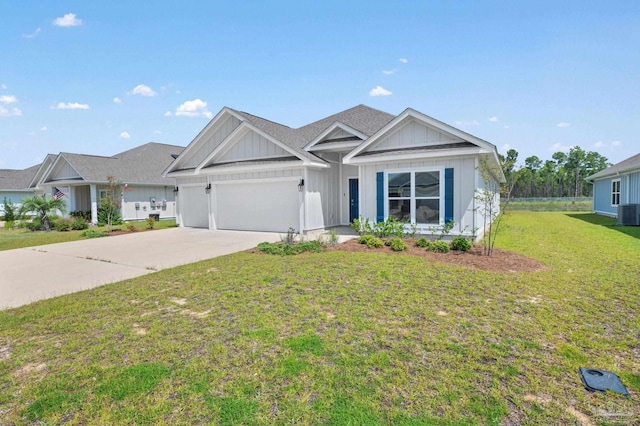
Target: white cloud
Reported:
[(117, 100), (404, 60), (194, 108), (379, 91), (157, 132), (168, 114), (468, 123), (616, 143), (388, 72), (563, 124), (33, 34), (125, 135), (9, 112), (178, 92), (43, 128), (599, 144), (8, 99), (507, 127), (494, 119), (559, 147), (68, 20), (70, 105), (142, 90), (3, 86), (506, 147)]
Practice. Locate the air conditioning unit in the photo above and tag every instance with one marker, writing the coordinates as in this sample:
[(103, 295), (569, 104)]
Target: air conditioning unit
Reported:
[(629, 214)]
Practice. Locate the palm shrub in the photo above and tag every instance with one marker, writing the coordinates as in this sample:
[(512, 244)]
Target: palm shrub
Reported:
[(43, 206)]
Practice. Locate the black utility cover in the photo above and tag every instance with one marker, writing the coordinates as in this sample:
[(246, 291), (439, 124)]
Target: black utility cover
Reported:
[(602, 381)]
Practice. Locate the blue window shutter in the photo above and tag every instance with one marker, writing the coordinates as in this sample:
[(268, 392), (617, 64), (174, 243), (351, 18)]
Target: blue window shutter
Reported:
[(380, 197), (448, 195)]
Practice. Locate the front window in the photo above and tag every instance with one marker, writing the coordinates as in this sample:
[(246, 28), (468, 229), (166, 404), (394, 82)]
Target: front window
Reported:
[(414, 196), (615, 192)]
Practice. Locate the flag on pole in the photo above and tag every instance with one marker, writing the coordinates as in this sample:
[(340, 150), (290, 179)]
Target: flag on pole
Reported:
[(57, 194)]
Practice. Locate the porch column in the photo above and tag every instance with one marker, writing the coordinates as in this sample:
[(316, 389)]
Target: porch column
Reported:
[(94, 204)]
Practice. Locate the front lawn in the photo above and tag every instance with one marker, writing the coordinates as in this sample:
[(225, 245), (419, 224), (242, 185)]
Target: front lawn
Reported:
[(341, 338), (20, 238)]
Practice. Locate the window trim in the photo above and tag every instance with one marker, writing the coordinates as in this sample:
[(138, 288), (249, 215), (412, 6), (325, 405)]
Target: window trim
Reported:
[(614, 193), (413, 198)]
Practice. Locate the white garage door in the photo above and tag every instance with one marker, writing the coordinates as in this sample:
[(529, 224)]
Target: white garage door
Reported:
[(193, 206), (271, 206)]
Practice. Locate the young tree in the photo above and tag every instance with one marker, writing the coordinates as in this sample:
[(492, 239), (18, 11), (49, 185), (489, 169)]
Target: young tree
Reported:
[(43, 206), (488, 199), (112, 202)]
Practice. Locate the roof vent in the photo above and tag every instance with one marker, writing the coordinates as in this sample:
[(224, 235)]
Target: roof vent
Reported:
[(629, 214)]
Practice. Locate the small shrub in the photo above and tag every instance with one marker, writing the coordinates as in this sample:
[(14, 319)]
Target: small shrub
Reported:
[(438, 246), (151, 223), (23, 224), (390, 227), (34, 225), (371, 241), (85, 215), (362, 226), (283, 249), (78, 224), (397, 244), (131, 227), (460, 244), (422, 242), (10, 210), (62, 225), (92, 233), (289, 237)]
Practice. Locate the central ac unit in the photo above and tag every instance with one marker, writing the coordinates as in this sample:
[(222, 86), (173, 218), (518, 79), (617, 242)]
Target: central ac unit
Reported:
[(629, 214)]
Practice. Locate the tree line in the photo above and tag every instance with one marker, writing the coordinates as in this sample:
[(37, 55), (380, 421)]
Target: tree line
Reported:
[(562, 176)]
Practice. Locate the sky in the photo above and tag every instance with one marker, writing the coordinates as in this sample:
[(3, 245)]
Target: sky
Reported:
[(103, 77)]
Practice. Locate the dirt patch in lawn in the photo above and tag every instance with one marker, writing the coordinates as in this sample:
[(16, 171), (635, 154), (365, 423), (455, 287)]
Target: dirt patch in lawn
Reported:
[(501, 261)]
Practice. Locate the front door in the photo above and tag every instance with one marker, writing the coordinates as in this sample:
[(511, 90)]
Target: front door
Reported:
[(353, 200)]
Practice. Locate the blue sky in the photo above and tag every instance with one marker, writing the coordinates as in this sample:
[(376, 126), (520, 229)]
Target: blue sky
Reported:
[(102, 77)]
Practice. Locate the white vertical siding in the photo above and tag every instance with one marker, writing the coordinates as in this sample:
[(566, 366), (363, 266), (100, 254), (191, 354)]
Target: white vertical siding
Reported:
[(348, 172), (63, 171), (82, 198), (198, 155), (271, 174), (464, 170), (322, 197), (143, 195), (413, 133), (252, 146)]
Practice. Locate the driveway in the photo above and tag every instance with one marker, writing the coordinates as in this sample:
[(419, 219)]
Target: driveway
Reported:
[(36, 273)]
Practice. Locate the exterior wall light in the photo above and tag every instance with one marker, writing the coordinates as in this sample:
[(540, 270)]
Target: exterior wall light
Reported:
[(207, 188), (301, 185), (175, 190)]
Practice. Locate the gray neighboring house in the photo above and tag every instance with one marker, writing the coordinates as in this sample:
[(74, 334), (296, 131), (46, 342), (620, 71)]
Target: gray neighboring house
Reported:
[(616, 185), (16, 185), (245, 172), (82, 179)]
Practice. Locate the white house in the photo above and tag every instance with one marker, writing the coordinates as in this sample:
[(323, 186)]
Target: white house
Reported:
[(244, 172), (82, 180)]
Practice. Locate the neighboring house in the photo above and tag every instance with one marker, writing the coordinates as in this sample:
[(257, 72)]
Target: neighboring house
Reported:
[(82, 180), (247, 173), (616, 185), (16, 185)]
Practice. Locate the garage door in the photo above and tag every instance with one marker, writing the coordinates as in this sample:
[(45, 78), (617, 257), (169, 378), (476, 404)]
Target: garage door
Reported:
[(193, 206), (272, 206)]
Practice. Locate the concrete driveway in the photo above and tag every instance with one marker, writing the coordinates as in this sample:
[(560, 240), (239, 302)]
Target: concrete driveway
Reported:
[(36, 273)]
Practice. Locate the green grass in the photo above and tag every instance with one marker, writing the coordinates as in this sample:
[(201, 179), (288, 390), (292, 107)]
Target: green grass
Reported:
[(341, 338), (20, 238), (545, 205)]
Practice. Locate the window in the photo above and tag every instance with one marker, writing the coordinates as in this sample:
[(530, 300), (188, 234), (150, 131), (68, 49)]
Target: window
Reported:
[(414, 196), (615, 192)]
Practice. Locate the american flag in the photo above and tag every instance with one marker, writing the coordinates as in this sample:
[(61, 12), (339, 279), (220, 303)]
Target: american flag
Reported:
[(57, 194)]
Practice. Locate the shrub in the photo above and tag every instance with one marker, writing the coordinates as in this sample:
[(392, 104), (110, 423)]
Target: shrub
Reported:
[(397, 244), (9, 224), (103, 216), (85, 215), (131, 227), (362, 226), (284, 249), (34, 225), (92, 233), (78, 224), (62, 225), (10, 211), (390, 227), (371, 241), (422, 242), (438, 246), (151, 223), (460, 244)]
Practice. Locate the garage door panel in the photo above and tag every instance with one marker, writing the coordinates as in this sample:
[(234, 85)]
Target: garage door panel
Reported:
[(194, 208), (270, 206)]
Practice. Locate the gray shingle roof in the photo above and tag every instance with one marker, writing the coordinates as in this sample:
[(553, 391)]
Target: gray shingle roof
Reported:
[(143, 164), (17, 179), (628, 165)]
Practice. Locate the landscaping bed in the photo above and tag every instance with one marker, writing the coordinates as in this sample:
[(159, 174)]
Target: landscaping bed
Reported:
[(500, 261)]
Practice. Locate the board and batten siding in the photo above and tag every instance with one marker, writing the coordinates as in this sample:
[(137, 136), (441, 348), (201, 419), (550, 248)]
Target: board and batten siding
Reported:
[(143, 196), (413, 133), (270, 174), (62, 171), (219, 134), (252, 146), (322, 201), (629, 193), (464, 172), (348, 172)]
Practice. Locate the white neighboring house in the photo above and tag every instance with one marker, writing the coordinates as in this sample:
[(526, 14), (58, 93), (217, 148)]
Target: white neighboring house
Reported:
[(82, 180), (244, 172)]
